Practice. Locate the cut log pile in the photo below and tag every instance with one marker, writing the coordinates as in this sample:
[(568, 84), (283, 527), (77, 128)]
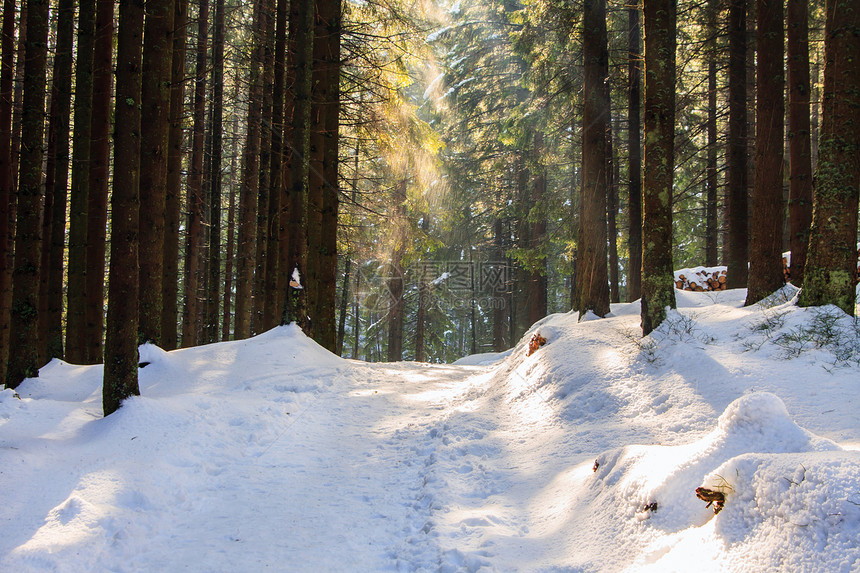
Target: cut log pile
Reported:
[(701, 281)]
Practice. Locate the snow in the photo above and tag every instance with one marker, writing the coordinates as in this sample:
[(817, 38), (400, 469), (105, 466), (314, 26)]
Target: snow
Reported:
[(271, 453)]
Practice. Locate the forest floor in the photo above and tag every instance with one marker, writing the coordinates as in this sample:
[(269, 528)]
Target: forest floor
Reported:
[(273, 454)]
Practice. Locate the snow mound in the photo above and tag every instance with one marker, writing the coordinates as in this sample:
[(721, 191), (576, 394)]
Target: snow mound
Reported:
[(755, 446)]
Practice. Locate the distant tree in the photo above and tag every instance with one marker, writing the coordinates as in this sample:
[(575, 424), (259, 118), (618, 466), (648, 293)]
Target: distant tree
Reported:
[(711, 204), (591, 266), (768, 213), (331, 14), (536, 287), (99, 175), (193, 236), (394, 279), (247, 244), (213, 295), (284, 159), (738, 232), (23, 347), (173, 194), (80, 188), (799, 138), (121, 334), (295, 308), (269, 206), (658, 289), (57, 185), (831, 263)]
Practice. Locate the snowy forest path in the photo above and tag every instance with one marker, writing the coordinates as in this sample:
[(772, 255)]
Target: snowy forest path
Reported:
[(353, 462)]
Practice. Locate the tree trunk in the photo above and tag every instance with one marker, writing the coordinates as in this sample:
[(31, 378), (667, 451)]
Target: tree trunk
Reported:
[(47, 220), (612, 207), (799, 142), (54, 223), (316, 179), (121, 358), (711, 227), (295, 309), (499, 310), (268, 230), (344, 303), (592, 272), (766, 275), (99, 175), (7, 195), (396, 307), (248, 298), (736, 258), (155, 131), (17, 101), (228, 257), (79, 197), (831, 263), (331, 11), (536, 297), (658, 286), (282, 155), (575, 199), (634, 148), (23, 347), (213, 297), (173, 189), (194, 227)]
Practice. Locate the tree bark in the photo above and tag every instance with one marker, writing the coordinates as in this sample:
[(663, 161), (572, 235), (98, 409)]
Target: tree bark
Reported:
[(155, 133), (99, 175), (121, 357), (799, 142), (766, 275), (23, 346), (592, 272), (738, 239), (658, 287), (831, 262)]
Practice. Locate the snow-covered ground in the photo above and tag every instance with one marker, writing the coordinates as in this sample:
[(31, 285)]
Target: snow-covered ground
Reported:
[(272, 454)]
